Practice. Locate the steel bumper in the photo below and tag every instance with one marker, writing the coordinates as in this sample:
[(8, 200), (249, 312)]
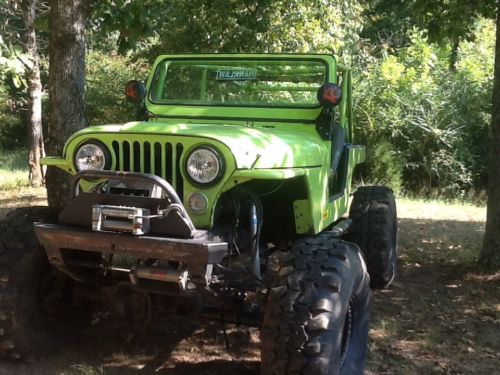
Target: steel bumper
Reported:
[(195, 253)]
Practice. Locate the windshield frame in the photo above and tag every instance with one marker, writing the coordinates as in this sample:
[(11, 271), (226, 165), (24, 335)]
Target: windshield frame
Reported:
[(242, 57)]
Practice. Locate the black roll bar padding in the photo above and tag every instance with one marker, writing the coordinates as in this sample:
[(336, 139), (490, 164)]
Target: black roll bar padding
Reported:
[(134, 176), (338, 142)]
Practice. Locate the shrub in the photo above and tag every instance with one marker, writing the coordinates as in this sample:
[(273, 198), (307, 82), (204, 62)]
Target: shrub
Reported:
[(383, 166), (435, 121), (105, 86), (12, 130)]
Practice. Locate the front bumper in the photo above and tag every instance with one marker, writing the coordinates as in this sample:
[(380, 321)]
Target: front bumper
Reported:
[(173, 236), (195, 253)]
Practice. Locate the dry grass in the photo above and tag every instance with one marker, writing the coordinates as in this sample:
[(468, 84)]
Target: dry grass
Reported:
[(21, 197), (438, 210), (13, 169), (12, 179)]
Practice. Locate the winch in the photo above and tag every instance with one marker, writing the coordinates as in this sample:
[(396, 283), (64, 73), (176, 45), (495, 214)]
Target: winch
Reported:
[(133, 220)]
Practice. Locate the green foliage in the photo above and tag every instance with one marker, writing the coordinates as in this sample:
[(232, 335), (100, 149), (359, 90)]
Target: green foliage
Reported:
[(105, 92), (425, 126), (437, 121), (126, 22), (14, 160), (12, 91), (452, 19), (390, 23), (12, 131), (229, 26), (13, 66), (13, 169), (383, 166)]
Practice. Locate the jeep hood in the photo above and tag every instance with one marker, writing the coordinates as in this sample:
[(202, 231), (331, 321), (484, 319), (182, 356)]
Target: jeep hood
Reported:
[(252, 147)]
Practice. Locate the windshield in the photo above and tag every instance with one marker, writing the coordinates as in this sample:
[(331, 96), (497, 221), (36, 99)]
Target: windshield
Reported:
[(281, 83)]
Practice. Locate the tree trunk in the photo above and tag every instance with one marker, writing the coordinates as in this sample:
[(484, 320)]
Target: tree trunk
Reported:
[(35, 133), (66, 87), (454, 54), (490, 252)]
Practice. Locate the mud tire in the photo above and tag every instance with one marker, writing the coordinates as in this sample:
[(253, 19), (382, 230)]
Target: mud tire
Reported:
[(374, 230), (28, 330), (316, 318)]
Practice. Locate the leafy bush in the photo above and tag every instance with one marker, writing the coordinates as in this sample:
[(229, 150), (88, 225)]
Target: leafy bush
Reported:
[(105, 87), (12, 90), (12, 130), (435, 121), (383, 166)]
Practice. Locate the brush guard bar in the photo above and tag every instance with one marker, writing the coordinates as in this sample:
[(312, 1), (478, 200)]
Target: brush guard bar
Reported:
[(195, 251)]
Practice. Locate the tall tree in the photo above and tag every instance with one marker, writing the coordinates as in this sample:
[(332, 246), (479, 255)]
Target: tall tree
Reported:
[(449, 22), (66, 86), (452, 20), (18, 25), (35, 133), (490, 252), (230, 26)]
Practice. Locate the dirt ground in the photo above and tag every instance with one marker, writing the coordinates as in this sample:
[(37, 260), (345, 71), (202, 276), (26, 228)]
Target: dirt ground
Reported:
[(441, 315)]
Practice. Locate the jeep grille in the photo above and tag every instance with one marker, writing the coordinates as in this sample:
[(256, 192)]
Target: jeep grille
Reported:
[(161, 159)]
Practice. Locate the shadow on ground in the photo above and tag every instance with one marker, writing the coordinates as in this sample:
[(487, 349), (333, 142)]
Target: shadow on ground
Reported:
[(176, 345), (440, 316)]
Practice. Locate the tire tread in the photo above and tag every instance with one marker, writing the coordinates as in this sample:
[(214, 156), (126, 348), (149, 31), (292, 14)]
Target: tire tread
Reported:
[(300, 310), (373, 211)]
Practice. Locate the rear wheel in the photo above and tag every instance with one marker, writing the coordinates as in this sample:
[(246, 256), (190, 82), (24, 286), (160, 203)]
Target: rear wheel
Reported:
[(374, 230), (316, 318)]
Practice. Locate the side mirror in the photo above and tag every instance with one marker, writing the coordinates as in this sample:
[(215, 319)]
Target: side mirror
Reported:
[(329, 95), (135, 91)]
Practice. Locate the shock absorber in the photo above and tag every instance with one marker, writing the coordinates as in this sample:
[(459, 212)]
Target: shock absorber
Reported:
[(255, 261)]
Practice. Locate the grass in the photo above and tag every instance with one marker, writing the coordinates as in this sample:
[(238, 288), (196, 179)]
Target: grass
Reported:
[(15, 190), (440, 210), (13, 169), (21, 196)]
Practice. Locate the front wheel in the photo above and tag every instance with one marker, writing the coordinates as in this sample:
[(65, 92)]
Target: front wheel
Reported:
[(37, 314), (316, 318)]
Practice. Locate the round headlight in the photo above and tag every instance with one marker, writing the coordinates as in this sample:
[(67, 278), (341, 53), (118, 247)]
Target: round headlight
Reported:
[(204, 165), (92, 156)]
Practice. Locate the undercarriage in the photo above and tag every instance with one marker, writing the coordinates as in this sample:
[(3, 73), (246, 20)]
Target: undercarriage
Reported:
[(131, 232), (131, 239)]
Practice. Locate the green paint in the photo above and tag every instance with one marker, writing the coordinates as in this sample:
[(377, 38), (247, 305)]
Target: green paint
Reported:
[(264, 143), (303, 219)]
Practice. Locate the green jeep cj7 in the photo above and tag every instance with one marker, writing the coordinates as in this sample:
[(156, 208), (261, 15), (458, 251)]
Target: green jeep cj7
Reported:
[(231, 191)]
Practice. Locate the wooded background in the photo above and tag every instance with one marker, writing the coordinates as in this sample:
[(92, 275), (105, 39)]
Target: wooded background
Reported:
[(423, 72)]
